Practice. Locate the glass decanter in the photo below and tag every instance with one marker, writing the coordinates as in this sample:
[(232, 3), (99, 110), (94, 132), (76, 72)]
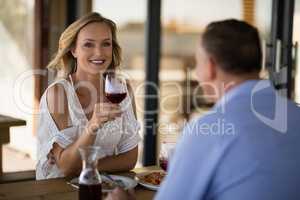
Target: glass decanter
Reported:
[(89, 179)]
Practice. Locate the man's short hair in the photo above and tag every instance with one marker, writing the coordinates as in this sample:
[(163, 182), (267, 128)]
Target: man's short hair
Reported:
[(234, 45)]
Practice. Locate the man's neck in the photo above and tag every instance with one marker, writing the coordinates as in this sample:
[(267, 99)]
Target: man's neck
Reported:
[(225, 82)]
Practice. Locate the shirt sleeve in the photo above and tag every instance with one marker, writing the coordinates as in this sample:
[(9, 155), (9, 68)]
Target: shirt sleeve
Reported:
[(130, 136), (48, 134)]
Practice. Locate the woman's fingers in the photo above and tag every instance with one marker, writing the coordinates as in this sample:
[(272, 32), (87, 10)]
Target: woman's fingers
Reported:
[(109, 110), (104, 112)]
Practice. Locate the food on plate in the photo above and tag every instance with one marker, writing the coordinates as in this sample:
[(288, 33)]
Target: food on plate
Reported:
[(108, 185), (154, 178)]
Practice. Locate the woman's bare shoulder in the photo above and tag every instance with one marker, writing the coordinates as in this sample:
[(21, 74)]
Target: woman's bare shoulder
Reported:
[(57, 103)]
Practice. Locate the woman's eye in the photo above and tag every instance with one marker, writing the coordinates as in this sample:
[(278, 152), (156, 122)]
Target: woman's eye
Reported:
[(88, 44), (106, 44)]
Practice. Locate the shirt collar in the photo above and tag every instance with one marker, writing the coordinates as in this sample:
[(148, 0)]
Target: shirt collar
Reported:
[(244, 87)]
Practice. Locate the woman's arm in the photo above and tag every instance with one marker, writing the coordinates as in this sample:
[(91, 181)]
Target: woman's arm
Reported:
[(125, 161), (122, 162), (68, 159)]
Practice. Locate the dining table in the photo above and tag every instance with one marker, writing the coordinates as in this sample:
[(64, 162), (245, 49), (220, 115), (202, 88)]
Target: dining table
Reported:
[(60, 189)]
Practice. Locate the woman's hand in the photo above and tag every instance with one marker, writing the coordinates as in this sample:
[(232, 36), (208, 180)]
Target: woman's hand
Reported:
[(120, 194), (103, 112)]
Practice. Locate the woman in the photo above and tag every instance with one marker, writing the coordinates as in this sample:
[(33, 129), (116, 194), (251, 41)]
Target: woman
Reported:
[(74, 110)]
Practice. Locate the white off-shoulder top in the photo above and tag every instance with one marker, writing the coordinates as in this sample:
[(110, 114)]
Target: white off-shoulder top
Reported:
[(117, 136)]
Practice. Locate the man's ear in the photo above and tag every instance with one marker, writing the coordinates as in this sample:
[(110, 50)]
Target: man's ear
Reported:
[(211, 69)]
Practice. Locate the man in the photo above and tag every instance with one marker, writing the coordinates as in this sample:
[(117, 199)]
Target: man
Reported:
[(248, 145)]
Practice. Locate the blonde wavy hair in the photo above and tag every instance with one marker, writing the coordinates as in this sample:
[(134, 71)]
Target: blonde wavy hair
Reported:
[(64, 62)]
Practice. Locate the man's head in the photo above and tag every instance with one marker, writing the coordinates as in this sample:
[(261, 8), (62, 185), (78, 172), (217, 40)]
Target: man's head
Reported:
[(228, 48)]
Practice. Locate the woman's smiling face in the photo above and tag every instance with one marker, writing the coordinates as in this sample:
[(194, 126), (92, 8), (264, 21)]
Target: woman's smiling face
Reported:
[(93, 49)]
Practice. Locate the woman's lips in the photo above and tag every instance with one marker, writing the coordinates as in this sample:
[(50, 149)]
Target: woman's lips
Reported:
[(97, 62)]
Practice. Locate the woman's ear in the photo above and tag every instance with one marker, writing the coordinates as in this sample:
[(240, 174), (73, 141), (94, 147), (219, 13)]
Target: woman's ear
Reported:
[(73, 51)]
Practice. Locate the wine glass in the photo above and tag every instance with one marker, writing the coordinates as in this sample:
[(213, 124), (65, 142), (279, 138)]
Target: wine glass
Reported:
[(115, 87), (165, 154)]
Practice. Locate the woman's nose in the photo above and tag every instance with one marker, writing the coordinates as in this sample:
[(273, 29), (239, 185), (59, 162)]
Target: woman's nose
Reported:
[(98, 51)]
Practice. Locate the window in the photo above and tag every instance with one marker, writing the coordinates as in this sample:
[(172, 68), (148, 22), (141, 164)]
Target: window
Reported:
[(16, 38)]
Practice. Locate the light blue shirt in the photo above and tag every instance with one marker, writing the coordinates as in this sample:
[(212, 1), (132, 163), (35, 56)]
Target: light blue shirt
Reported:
[(247, 147)]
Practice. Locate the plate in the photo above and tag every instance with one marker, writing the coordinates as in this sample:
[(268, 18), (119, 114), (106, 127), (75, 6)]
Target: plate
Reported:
[(152, 179), (128, 183)]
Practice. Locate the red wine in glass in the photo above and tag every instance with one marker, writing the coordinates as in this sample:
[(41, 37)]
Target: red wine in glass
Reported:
[(115, 88), (163, 163), (116, 98), (90, 192)]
